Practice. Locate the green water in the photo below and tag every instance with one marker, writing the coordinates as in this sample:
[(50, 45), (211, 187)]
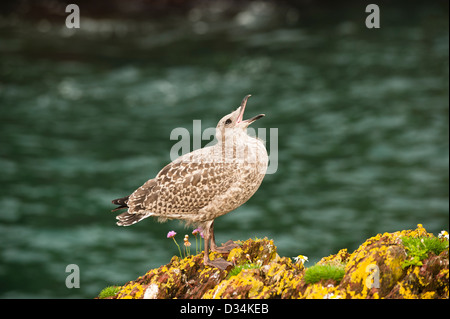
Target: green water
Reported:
[(86, 117)]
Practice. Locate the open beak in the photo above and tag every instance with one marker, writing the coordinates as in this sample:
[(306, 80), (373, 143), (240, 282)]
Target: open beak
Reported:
[(254, 118), (241, 114)]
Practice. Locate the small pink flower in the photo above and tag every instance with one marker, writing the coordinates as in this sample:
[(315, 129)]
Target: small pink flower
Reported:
[(197, 231), (171, 234)]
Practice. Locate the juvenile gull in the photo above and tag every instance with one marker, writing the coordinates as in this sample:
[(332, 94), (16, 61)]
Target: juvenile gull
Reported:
[(202, 185)]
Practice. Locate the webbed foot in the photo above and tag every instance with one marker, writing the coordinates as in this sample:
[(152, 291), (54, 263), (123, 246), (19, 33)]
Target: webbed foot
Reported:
[(226, 247), (220, 263)]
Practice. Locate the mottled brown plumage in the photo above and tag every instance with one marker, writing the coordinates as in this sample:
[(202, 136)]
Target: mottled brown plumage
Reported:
[(204, 184)]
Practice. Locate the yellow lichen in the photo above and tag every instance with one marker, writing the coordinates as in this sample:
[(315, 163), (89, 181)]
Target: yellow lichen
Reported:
[(131, 291), (338, 259), (318, 291)]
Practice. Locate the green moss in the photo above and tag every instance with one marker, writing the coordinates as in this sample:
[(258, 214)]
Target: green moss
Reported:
[(318, 272), (109, 292), (236, 270), (418, 249)]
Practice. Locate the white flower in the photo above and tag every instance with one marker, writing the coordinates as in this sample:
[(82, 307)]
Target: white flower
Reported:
[(443, 234), (300, 258)]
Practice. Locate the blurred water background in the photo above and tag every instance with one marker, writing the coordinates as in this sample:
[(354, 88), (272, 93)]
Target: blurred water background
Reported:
[(86, 117)]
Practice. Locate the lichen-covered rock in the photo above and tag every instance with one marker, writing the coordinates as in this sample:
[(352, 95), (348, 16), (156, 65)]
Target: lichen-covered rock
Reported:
[(279, 278), (377, 269), (189, 278), (378, 261)]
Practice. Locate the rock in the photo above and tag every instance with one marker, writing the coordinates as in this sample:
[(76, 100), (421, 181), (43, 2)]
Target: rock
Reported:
[(377, 269)]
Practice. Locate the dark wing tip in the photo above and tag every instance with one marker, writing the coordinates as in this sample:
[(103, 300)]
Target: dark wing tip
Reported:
[(122, 202)]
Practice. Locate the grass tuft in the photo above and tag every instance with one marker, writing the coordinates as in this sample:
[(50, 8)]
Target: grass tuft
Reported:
[(109, 292), (324, 272), (418, 249)]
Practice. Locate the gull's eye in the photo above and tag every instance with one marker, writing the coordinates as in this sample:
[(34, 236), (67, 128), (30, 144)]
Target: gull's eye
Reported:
[(228, 121)]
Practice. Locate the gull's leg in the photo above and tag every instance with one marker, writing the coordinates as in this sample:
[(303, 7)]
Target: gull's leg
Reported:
[(208, 235), (225, 248)]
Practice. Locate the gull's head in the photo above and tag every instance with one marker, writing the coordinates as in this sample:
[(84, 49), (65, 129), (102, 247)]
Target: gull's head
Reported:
[(233, 123)]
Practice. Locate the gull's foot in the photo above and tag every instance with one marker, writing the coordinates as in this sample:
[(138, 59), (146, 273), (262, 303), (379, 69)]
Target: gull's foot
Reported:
[(226, 247), (220, 263)]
